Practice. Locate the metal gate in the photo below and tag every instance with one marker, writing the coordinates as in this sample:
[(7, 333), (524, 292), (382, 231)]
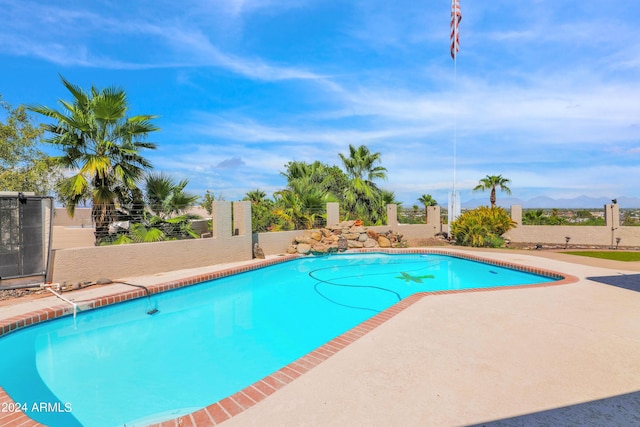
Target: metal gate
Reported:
[(23, 244)]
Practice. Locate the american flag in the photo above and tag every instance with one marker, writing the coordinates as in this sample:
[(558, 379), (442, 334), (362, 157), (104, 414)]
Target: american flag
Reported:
[(456, 17)]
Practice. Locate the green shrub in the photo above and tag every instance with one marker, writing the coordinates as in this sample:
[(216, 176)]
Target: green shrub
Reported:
[(482, 227)]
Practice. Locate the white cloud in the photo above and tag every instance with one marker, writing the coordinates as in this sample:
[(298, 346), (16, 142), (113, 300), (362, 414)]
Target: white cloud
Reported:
[(76, 39)]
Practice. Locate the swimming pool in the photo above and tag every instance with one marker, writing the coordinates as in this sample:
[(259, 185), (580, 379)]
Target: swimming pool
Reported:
[(119, 365)]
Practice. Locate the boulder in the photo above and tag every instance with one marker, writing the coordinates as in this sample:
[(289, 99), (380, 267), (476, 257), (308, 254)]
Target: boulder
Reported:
[(343, 244), (340, 237), (351, 236), (384, 242), (303, 248), (258, 252), (320, 248), (370, 243)]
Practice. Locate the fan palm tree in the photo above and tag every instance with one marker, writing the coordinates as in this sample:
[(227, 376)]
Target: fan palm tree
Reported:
[(490, 182), (327, 178), (263, 217), (300, 204), (101, 147), (534, 217), (255, 196), (165, 198), (427, 201), (362, 196), (165, 214)]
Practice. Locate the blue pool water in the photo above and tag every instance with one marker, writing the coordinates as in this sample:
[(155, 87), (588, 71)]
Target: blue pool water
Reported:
[(118, 365)]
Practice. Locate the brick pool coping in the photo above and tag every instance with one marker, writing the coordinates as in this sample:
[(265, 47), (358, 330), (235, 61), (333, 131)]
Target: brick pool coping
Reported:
[(228, 407)]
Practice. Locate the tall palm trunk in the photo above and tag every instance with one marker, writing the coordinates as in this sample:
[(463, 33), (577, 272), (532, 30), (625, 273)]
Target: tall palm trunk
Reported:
[(492, 199), (103, 215)]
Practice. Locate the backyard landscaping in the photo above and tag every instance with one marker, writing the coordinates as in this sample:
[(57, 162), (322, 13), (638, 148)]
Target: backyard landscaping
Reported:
[(612, 255)]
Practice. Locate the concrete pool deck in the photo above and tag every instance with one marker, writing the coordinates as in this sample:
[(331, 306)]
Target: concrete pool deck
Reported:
[(555, 353)]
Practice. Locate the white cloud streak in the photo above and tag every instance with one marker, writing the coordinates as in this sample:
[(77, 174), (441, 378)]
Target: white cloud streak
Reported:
[(32, 27)]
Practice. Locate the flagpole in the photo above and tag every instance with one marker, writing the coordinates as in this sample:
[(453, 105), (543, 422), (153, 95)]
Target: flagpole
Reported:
[(456, 16), (455, 107), (455, 122)]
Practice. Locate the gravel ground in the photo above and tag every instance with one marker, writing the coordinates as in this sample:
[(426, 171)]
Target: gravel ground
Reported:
[(7, 294)]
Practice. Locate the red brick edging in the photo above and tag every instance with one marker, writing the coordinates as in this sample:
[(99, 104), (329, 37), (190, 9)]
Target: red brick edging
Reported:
[(228, 407)]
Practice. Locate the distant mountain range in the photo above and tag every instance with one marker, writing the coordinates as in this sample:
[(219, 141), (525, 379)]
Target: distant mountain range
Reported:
[(542, 202)]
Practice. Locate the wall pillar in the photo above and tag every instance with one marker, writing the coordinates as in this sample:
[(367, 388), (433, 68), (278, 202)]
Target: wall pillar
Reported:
[(221, 217), (612, 215), (392, 215), (242, 225), (333, 213), (433, 218), (516, 214), (242, 218), (612, 220)]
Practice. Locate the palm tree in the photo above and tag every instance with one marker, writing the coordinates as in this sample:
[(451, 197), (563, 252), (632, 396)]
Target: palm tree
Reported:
[(362, 196), (327, 178), (165, 198), (101, 149), (299, 204), (490, 182), (263, 217), (427, 201), (534, 217), (255, 196), (165, 214)]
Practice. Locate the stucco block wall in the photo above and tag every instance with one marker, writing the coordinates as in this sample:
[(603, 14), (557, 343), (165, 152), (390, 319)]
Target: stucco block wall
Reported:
[(580, 235), (409, 231), (81, 218), (118, 261), (77, 259), (72, 237), (276, 242)]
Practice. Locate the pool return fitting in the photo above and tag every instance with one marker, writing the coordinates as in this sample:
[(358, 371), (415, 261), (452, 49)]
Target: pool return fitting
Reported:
[(49, 287)]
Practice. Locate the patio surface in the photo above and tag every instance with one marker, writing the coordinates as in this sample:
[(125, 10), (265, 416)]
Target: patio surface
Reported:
[(559, 355)]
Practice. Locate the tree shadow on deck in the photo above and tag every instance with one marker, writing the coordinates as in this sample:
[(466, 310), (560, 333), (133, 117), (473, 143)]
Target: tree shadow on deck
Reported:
[(625, 281), (621, 410)]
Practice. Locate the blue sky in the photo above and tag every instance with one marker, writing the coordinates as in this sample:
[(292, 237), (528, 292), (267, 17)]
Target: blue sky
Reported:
[(547, 91)]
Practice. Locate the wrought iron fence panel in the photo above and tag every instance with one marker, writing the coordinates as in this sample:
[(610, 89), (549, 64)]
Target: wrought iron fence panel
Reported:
[(136, 223)]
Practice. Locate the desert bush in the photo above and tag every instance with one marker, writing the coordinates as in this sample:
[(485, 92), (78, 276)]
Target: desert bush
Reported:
[(482, 227)]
